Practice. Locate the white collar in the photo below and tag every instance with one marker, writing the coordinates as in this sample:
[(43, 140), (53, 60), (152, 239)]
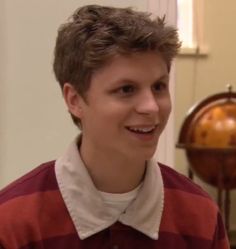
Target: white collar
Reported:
[(87, 208)]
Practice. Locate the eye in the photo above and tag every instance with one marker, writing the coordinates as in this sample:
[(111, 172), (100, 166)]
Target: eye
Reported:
[(160, 86), (125, 90)]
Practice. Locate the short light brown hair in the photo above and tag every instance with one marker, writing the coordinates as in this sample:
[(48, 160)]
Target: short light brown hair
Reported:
[(94, 34)]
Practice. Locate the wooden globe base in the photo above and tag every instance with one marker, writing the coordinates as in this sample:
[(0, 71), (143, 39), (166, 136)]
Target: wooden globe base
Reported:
[(217, 167), (208, 136)]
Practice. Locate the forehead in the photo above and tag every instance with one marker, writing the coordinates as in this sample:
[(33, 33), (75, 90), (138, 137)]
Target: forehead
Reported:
[(140, 67)]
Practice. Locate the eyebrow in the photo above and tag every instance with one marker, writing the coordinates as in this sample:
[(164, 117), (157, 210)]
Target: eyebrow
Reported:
[(164, 77)]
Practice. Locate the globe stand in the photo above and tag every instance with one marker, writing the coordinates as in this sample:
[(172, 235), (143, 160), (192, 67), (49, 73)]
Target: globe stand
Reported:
[(210, 150), (221, 182)]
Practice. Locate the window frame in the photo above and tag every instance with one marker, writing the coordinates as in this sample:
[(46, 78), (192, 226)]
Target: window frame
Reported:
[(192, 14)]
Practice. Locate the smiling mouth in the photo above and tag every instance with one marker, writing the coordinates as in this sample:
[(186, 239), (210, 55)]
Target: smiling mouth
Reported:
[(142, 130)]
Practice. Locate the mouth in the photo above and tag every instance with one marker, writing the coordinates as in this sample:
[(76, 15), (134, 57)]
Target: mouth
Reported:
[(142, 129)]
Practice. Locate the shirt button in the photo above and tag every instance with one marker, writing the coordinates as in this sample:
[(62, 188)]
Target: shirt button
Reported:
[(115, 247)]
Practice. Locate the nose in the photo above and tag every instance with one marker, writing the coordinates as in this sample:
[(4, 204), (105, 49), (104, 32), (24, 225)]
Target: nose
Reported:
[(147, 103)]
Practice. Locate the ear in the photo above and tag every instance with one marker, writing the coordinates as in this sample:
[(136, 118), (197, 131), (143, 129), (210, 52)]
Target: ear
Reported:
[(73, 100)]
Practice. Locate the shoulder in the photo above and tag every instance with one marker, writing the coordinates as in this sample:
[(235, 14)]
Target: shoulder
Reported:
[(181, 191), (28, 204), (28, 189), (176, 181), (42, 178), (187, 207)]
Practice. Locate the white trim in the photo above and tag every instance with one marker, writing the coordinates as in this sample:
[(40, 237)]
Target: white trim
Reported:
[(202, 50), (166, 146), (164, 7), (195, 44)]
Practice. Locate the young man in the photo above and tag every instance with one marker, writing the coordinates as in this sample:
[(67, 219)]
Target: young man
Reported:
[(106, 191)]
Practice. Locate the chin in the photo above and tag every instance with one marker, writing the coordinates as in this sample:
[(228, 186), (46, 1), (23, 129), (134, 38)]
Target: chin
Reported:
[(150, 156), (147, 155)]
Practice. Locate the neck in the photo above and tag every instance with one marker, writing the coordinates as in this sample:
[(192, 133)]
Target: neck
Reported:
[(111, 172)]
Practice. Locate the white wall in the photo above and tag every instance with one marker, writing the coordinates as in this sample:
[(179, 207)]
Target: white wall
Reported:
[(200, 77), (34, 124), (2, 86)]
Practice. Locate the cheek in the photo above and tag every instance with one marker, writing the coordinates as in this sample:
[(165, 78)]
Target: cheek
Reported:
[(108, 116), (115, 111), (169, 107), (166, 107)]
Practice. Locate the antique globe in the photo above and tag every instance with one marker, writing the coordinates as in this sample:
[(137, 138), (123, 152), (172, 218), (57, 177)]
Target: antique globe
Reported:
[(208, 135)]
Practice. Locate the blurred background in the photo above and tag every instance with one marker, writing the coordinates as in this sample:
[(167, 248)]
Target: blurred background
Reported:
[(34, 123)]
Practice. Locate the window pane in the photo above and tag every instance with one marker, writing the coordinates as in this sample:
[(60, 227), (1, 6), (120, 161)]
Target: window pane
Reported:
[(185, 23)]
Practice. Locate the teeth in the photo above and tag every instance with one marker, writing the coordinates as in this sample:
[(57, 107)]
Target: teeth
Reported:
[(147, 129)]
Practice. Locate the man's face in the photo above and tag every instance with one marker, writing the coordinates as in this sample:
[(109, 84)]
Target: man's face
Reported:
[(127, 106)]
